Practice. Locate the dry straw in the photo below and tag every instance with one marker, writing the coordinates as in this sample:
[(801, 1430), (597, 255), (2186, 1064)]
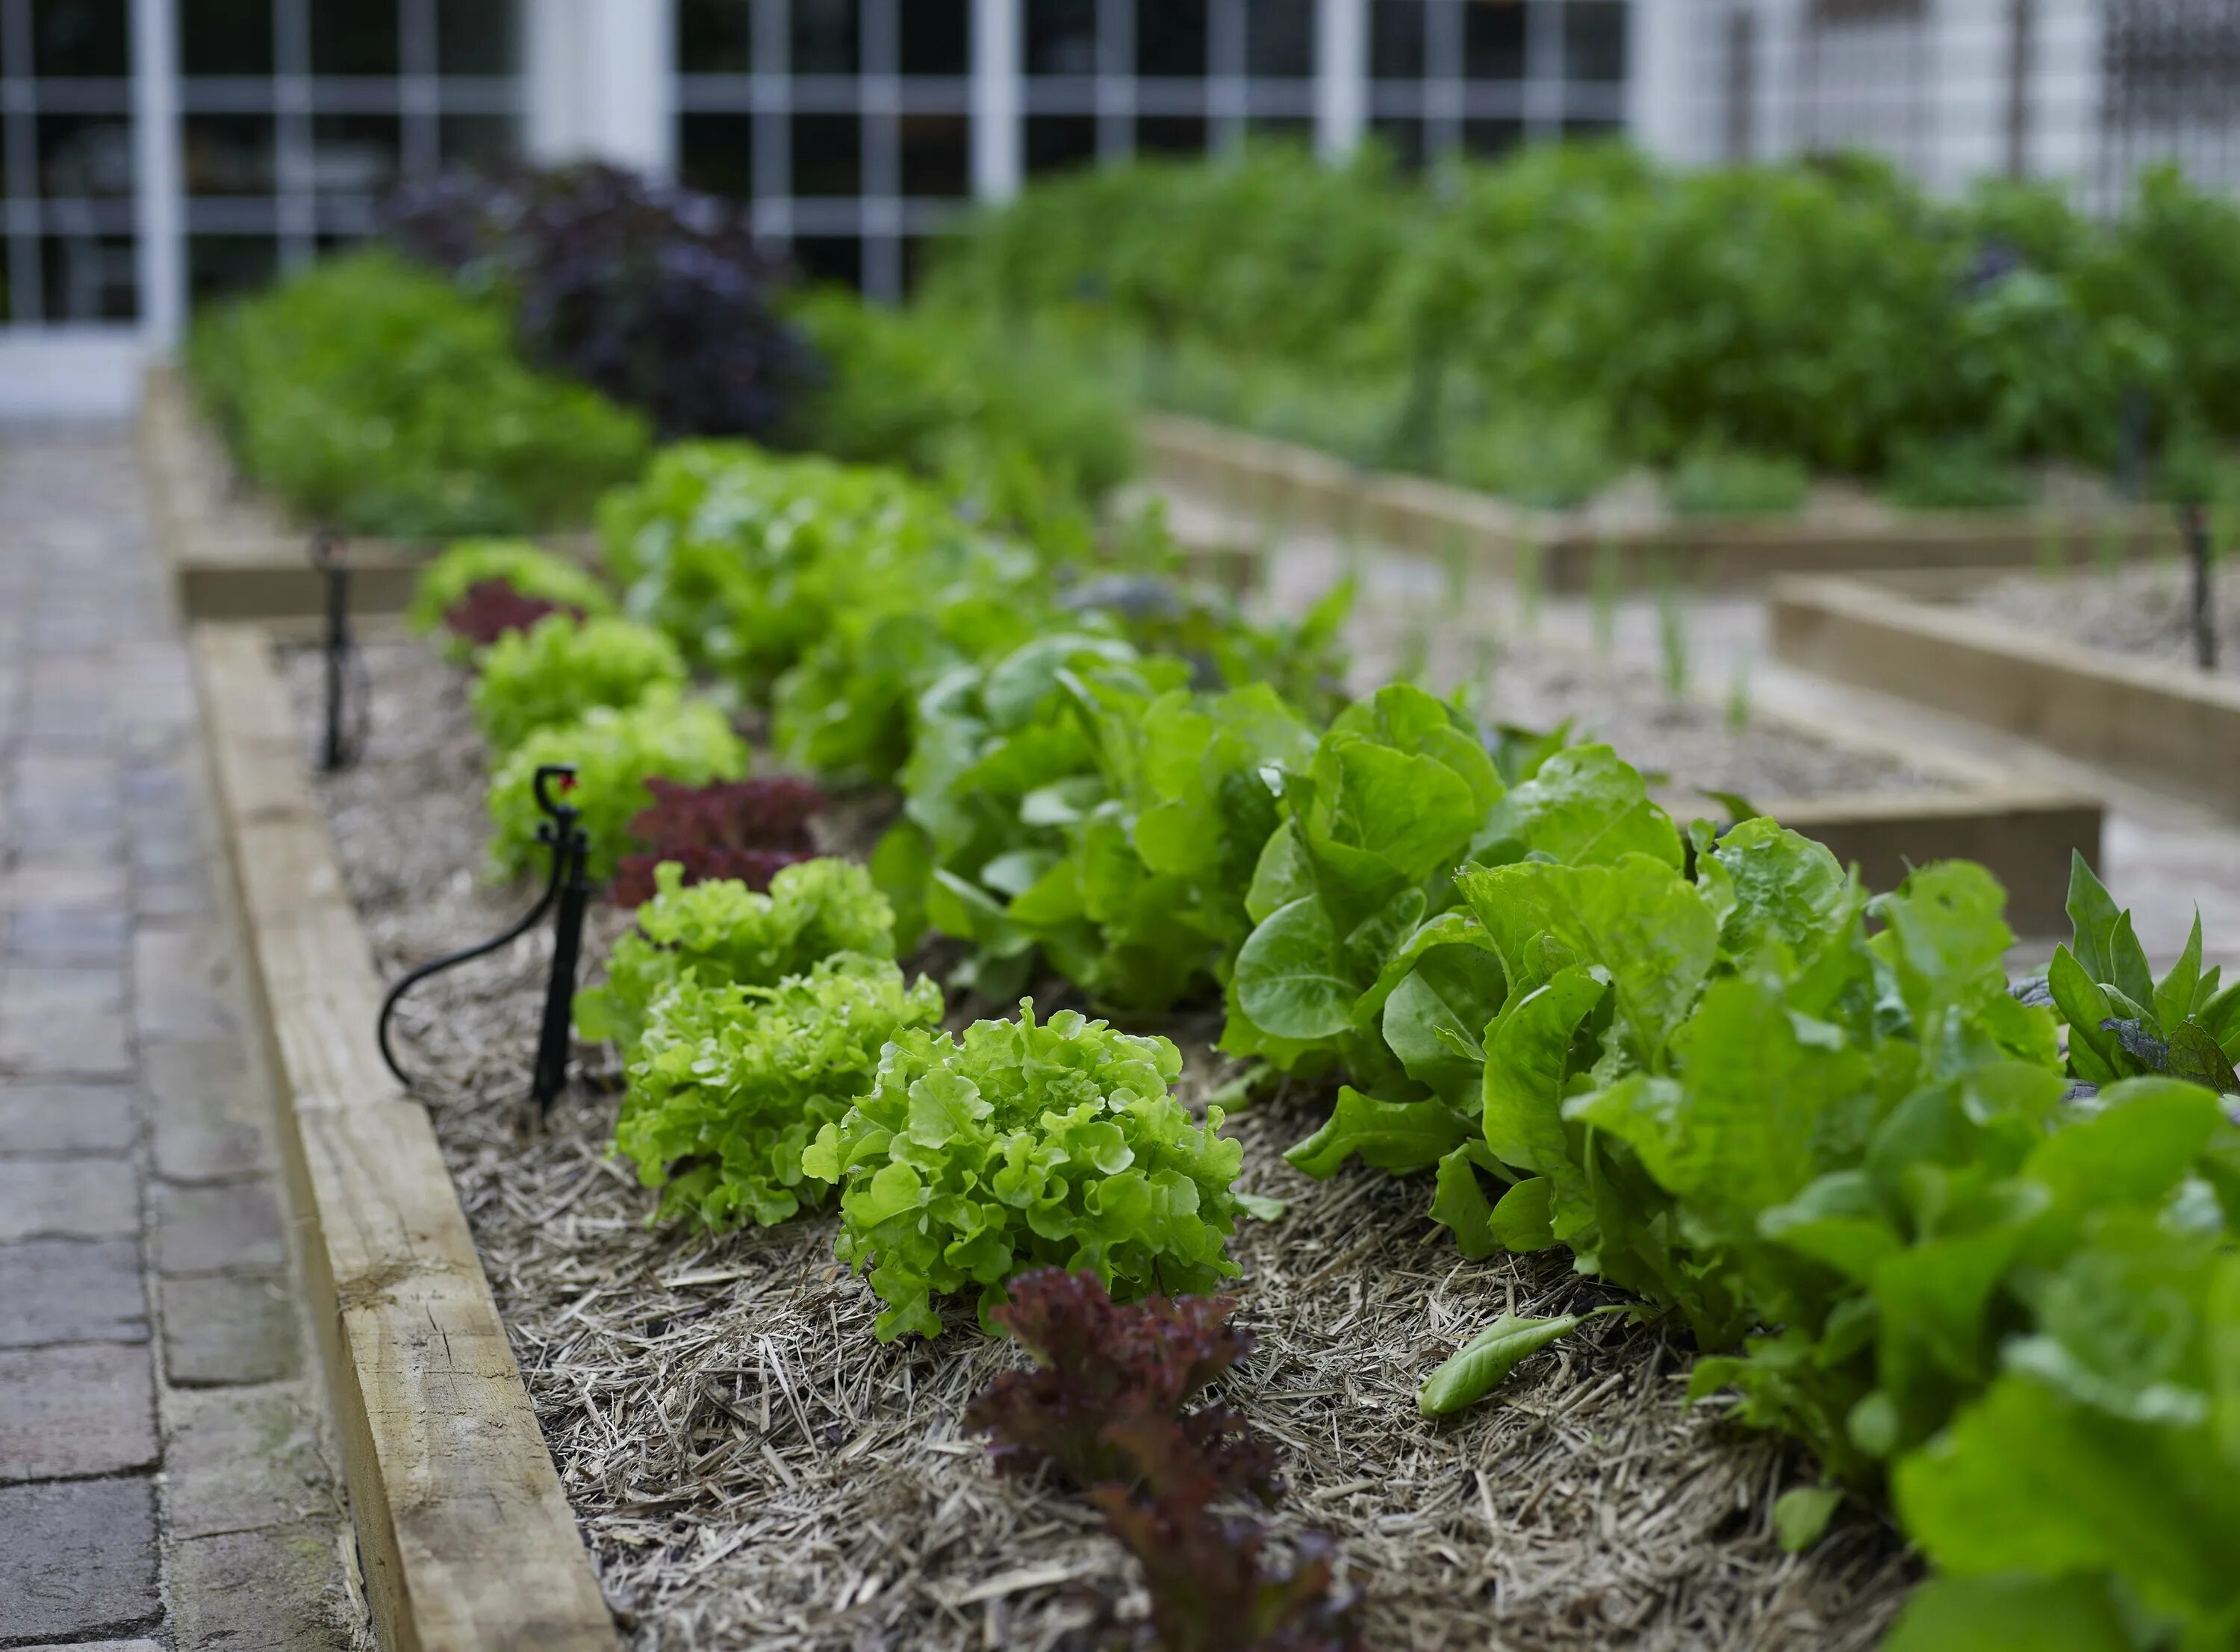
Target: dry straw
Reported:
[(752, 1470)]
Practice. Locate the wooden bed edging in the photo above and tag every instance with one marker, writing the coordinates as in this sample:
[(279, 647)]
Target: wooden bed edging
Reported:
[(1280, 481), (464, 1532), (2160, 725), (2022, 834), (235, 558)]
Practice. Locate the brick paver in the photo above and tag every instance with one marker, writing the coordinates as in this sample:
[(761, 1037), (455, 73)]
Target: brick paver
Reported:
[(166, 1476)]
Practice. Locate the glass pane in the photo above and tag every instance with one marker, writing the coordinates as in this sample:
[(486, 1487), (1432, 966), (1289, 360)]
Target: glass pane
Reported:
[(1061, 37), (1493, 40), (1396, 39), (81, 37), (227, 153), (716, 153), (1170, 38), (1056, 142), (477, 37), (1170, 134), (1281, 128), (89, 277), (1594, 41), (478, 140), (1402, 138), (84, 156), (218, 265), (937, 39), (353, 37), (1590, 126), (825, 37), (225, 37), (830, 258), (828, 155), (936, 156), (356, 154), (715, 36), (1279, 40), (1492, 138)]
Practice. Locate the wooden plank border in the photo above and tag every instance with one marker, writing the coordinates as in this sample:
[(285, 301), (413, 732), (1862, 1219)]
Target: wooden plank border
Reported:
[(2156, 723), (1262, 478), (465, 1534), (235, 557)]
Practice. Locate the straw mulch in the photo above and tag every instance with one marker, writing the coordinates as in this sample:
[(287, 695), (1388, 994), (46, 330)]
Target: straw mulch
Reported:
[(752, 1470)]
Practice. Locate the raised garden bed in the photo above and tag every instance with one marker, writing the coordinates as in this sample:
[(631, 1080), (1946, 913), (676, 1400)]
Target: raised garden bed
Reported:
[(462, 1534), (1262, 479), (748, 1467), (1886, 806), (2140, 714), (233, 554)]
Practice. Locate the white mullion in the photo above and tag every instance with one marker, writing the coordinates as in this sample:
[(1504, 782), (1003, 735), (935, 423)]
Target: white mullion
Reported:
[(419, 95), (26, 272), (995, 99), (1544, 69), (158, 244), (773, 103), (1340, 76), (1227, 85), (880, 185), (295, 209), (1115, 79), (1446, 78)]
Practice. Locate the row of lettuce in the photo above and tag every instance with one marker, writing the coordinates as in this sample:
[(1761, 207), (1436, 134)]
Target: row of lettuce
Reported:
[(1907, 1219), (1540, 324)]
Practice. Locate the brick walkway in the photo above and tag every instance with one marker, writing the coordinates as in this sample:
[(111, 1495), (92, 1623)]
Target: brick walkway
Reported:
[(165, 1478)]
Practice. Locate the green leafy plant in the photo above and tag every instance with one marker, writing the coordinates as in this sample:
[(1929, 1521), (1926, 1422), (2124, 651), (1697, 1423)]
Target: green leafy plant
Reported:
[(1953, 475), (1724, 482), (731, 1081), (614, 752), (1024, 1144), (932, 391), (2123, 1023), (445, 582), (377, 398), (749, 560), (1078, 800), (1355, 886), (721, 933), (562, 668)]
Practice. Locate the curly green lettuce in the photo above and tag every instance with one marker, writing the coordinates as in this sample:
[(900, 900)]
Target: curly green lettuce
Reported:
[(1026, 1144), (732, 1083), (562, 668), (721, 933), (444, 584), (614, 752)]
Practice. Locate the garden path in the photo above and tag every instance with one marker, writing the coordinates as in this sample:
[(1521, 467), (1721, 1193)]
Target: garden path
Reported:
[(165, 1475)]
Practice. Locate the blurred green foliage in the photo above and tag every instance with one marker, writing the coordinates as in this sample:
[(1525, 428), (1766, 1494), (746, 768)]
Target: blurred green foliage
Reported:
[(1537, 325), (377, 398)]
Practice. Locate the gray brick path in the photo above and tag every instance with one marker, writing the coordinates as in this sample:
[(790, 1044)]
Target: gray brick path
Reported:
[(167, 1475)]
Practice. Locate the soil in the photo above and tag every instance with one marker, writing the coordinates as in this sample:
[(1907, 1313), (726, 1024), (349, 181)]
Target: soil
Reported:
[(752, 1470), (2141, 613)]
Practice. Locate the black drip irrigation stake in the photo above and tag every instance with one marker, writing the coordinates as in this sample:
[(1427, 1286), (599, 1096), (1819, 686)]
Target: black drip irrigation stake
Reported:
[(567, 894), (343, 741), (2199, 551)]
